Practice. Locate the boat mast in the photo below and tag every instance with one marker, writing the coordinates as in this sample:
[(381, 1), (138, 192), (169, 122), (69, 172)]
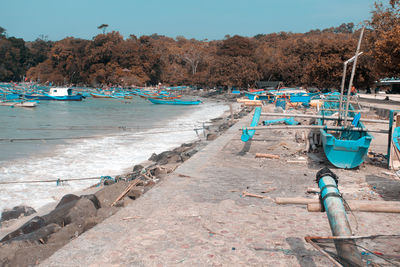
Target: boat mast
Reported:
[(342, 87), (352, 75)]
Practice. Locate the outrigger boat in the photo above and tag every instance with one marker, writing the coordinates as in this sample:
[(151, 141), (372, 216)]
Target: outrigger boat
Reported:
[(174, 101), (57, 94), (345, 147), (248, 134)]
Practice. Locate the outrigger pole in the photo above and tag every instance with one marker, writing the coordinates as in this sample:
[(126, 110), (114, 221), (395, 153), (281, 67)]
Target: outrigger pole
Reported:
[(318, 117), (327, 128)]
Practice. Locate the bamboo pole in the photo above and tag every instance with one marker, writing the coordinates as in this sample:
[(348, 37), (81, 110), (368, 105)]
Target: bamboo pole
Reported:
[(327, 128), (317, 117), (352, 74), (342, 85), (126, 191), (310, 241)]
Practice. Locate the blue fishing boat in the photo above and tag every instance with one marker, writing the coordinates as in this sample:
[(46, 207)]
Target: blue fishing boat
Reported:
[(345, 148), (174, 101), (248, 134), (57, 94)]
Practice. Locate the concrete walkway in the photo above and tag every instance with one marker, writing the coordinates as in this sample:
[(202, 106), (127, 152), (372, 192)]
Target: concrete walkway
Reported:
[(197, 215)]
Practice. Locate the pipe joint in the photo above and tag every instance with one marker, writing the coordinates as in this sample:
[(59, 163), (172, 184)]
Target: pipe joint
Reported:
[(326, 172)]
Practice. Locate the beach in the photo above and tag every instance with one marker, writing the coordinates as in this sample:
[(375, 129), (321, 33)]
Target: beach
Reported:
[(218, 206), (87, 139)]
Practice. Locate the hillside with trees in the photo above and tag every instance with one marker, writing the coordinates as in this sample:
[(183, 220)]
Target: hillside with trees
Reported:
[(311, 59)]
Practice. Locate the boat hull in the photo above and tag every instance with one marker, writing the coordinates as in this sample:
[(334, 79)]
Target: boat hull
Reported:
[(173, 102), (94, 95), (347, 149), (345, 154), (55, 98), (23, 104)]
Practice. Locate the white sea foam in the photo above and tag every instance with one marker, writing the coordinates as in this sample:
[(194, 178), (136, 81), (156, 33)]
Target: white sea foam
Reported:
[(108, 155)]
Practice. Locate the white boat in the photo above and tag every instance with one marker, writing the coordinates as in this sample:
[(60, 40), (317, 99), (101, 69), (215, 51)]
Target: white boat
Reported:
[(20, 103)]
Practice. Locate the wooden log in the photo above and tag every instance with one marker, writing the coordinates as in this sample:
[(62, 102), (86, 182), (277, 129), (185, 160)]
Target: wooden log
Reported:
[(363, 205), (126, 191), (252, 104), (269, 156), (295, 200), (247, 194)]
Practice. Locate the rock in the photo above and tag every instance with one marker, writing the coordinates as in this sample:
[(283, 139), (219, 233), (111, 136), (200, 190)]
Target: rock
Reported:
[(74, 211), (67, 199), (29, 227), (223, 126), (16, 212), (174, 158), (67, 233), (183, 148), (190, 153), (157, 171), (211, 136), (135, 193), (153, 157), (108, 182), (107, 195), (40, 235), (105, 212), (94, 200), (139, 168)]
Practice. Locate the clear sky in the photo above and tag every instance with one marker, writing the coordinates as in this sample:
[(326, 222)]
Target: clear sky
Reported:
[(200, 19)]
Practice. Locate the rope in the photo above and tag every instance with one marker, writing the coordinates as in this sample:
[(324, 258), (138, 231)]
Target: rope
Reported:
[(57, 181), (86, 137)]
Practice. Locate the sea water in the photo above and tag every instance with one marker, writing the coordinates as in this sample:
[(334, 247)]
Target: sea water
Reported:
[(92, 138)]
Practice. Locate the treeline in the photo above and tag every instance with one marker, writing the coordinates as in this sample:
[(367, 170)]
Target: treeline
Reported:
[(312, 59)]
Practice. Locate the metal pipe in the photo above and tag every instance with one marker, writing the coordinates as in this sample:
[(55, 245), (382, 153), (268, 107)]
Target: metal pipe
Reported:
[(333, 203), (317, 117), (248, 133), (352, 74)]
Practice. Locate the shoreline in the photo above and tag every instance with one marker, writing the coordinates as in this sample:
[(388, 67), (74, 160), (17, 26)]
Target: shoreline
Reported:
[(36, 232), (106, 154)]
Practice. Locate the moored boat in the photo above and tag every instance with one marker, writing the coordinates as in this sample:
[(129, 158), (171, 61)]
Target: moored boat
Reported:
[(174, 101), (98, 95), (344, 148), (19, 103), (57, 94)]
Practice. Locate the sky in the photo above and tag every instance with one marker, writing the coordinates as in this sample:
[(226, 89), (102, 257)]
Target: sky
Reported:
[(200, 19)]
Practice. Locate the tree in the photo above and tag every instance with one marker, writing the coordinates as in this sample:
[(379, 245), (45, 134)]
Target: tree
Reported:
[(2, 31), (103, 27), (385, 37)]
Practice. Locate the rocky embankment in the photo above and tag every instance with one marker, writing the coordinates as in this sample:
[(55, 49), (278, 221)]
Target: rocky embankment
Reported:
[(41, 236)]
